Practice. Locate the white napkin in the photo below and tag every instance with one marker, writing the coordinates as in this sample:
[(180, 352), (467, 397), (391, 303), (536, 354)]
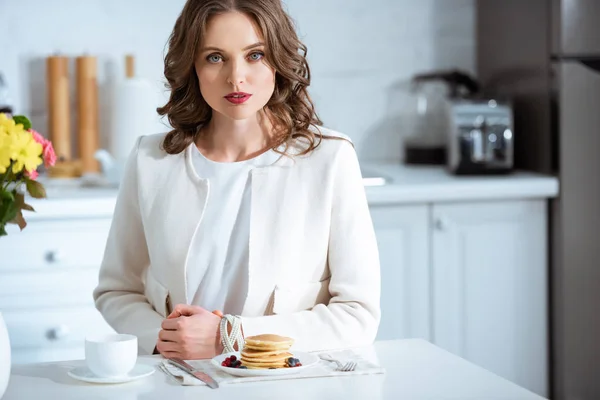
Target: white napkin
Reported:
[(321, 369)]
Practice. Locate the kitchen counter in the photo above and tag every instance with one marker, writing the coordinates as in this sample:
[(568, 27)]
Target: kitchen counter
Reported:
[(415, 369), (427, 184), (405, 185)]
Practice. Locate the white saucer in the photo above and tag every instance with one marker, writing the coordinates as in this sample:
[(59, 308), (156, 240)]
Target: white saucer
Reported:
[(85, 375)]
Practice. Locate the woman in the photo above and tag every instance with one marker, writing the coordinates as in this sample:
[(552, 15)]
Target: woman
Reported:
[(247, 206)]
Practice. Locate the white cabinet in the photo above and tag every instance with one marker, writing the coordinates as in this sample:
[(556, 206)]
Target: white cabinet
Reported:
[(402, 237), (471, 278), (490, 287), (47, 275)]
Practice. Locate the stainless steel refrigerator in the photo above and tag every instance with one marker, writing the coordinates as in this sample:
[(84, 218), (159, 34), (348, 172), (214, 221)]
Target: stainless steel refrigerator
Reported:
[(545, 55)]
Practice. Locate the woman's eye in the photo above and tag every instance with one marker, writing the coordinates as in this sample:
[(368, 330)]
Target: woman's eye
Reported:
[(256, 56), (213, 58)]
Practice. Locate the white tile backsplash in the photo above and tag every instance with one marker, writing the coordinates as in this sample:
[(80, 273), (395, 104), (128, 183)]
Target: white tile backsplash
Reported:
[(357, 50)]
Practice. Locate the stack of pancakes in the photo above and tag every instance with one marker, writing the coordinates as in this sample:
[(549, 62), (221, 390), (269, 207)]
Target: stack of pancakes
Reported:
[(266, 351)]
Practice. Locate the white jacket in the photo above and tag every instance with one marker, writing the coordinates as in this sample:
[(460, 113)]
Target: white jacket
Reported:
[(313, 259)]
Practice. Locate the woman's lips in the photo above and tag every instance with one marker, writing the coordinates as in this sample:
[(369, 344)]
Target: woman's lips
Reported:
[(238, 97)]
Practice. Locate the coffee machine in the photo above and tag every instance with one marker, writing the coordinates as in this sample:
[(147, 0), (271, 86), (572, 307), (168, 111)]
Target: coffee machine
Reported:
[(427, 120), (481, 137), (453, 124)]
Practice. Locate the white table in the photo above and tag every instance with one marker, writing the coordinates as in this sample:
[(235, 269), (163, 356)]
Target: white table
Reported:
[(415, 369)]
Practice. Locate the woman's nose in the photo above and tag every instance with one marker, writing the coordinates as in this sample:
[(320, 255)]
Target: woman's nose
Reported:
[(236, 73)]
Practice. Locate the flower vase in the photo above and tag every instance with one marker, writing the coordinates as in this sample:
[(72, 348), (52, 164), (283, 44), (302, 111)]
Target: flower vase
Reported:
[(4, 357)]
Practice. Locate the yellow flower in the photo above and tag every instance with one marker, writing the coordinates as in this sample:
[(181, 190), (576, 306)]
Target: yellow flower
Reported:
[(26, 152), (19, 146), (9, 124), (5, 150)]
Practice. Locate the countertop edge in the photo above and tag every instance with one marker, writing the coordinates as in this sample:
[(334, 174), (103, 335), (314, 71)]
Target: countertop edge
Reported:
[(538, 188)]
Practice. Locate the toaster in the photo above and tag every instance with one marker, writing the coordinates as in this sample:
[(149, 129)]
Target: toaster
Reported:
[(481, 137)]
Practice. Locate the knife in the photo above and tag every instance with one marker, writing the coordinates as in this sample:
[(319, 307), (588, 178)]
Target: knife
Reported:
[(203, 376)]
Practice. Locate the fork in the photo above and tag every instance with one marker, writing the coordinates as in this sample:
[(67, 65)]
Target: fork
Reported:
[(347, 367)]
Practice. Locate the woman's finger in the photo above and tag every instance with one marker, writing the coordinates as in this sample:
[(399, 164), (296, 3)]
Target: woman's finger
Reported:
[(163, 347), (168, 336), (172, 324), (186, 309)]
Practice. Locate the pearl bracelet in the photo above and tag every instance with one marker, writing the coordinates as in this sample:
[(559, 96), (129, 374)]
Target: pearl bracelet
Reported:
[(228, 340)]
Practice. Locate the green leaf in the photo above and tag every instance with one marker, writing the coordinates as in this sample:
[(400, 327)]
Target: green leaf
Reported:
[(6, 195), (20, 200), (2, 230), (19, 220), (21, 119), (8, 207), (35, 189)]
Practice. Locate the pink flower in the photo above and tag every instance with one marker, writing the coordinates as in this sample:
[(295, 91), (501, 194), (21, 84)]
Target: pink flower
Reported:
[(48, 150), (32, 174), (49, 154)]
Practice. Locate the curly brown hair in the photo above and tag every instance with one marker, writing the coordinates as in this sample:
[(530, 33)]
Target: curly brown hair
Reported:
[(290, 108)]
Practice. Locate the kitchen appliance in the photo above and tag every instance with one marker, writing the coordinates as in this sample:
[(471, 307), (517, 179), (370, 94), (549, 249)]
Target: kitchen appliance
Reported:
[(132, 111), (545, 55), (480, 140), (429, 122)]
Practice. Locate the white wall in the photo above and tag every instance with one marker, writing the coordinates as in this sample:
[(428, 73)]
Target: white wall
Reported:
[(358, 51)]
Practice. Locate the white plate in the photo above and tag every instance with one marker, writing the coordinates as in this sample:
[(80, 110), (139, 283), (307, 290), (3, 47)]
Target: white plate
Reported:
[(306, 359), (139, 371)]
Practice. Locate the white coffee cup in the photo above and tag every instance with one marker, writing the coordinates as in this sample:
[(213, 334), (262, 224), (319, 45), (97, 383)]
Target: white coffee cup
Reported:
[(112, 355)]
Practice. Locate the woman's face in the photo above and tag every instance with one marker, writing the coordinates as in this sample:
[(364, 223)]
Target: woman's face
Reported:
[(235, 79)]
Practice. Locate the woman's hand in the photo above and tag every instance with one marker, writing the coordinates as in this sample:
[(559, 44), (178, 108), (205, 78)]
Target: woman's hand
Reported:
[(189, 333)]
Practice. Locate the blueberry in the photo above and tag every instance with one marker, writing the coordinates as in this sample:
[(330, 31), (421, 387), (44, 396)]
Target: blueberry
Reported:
[(272, 368), (243, 367), (291, 362), (236, 364)]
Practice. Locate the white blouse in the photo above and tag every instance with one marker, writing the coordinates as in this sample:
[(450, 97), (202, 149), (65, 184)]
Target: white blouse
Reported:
[(217, 273)]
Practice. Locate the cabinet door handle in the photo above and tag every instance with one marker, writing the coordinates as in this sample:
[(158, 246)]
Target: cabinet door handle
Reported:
[(53, 256), (440, 224), (59, 333)]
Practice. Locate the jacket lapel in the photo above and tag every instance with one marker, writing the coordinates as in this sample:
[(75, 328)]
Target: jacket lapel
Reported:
[(266, 253), (177, 212)]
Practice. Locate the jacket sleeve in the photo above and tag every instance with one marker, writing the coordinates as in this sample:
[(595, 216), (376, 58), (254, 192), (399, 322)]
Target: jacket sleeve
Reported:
[(119, 295), (352, 316)]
